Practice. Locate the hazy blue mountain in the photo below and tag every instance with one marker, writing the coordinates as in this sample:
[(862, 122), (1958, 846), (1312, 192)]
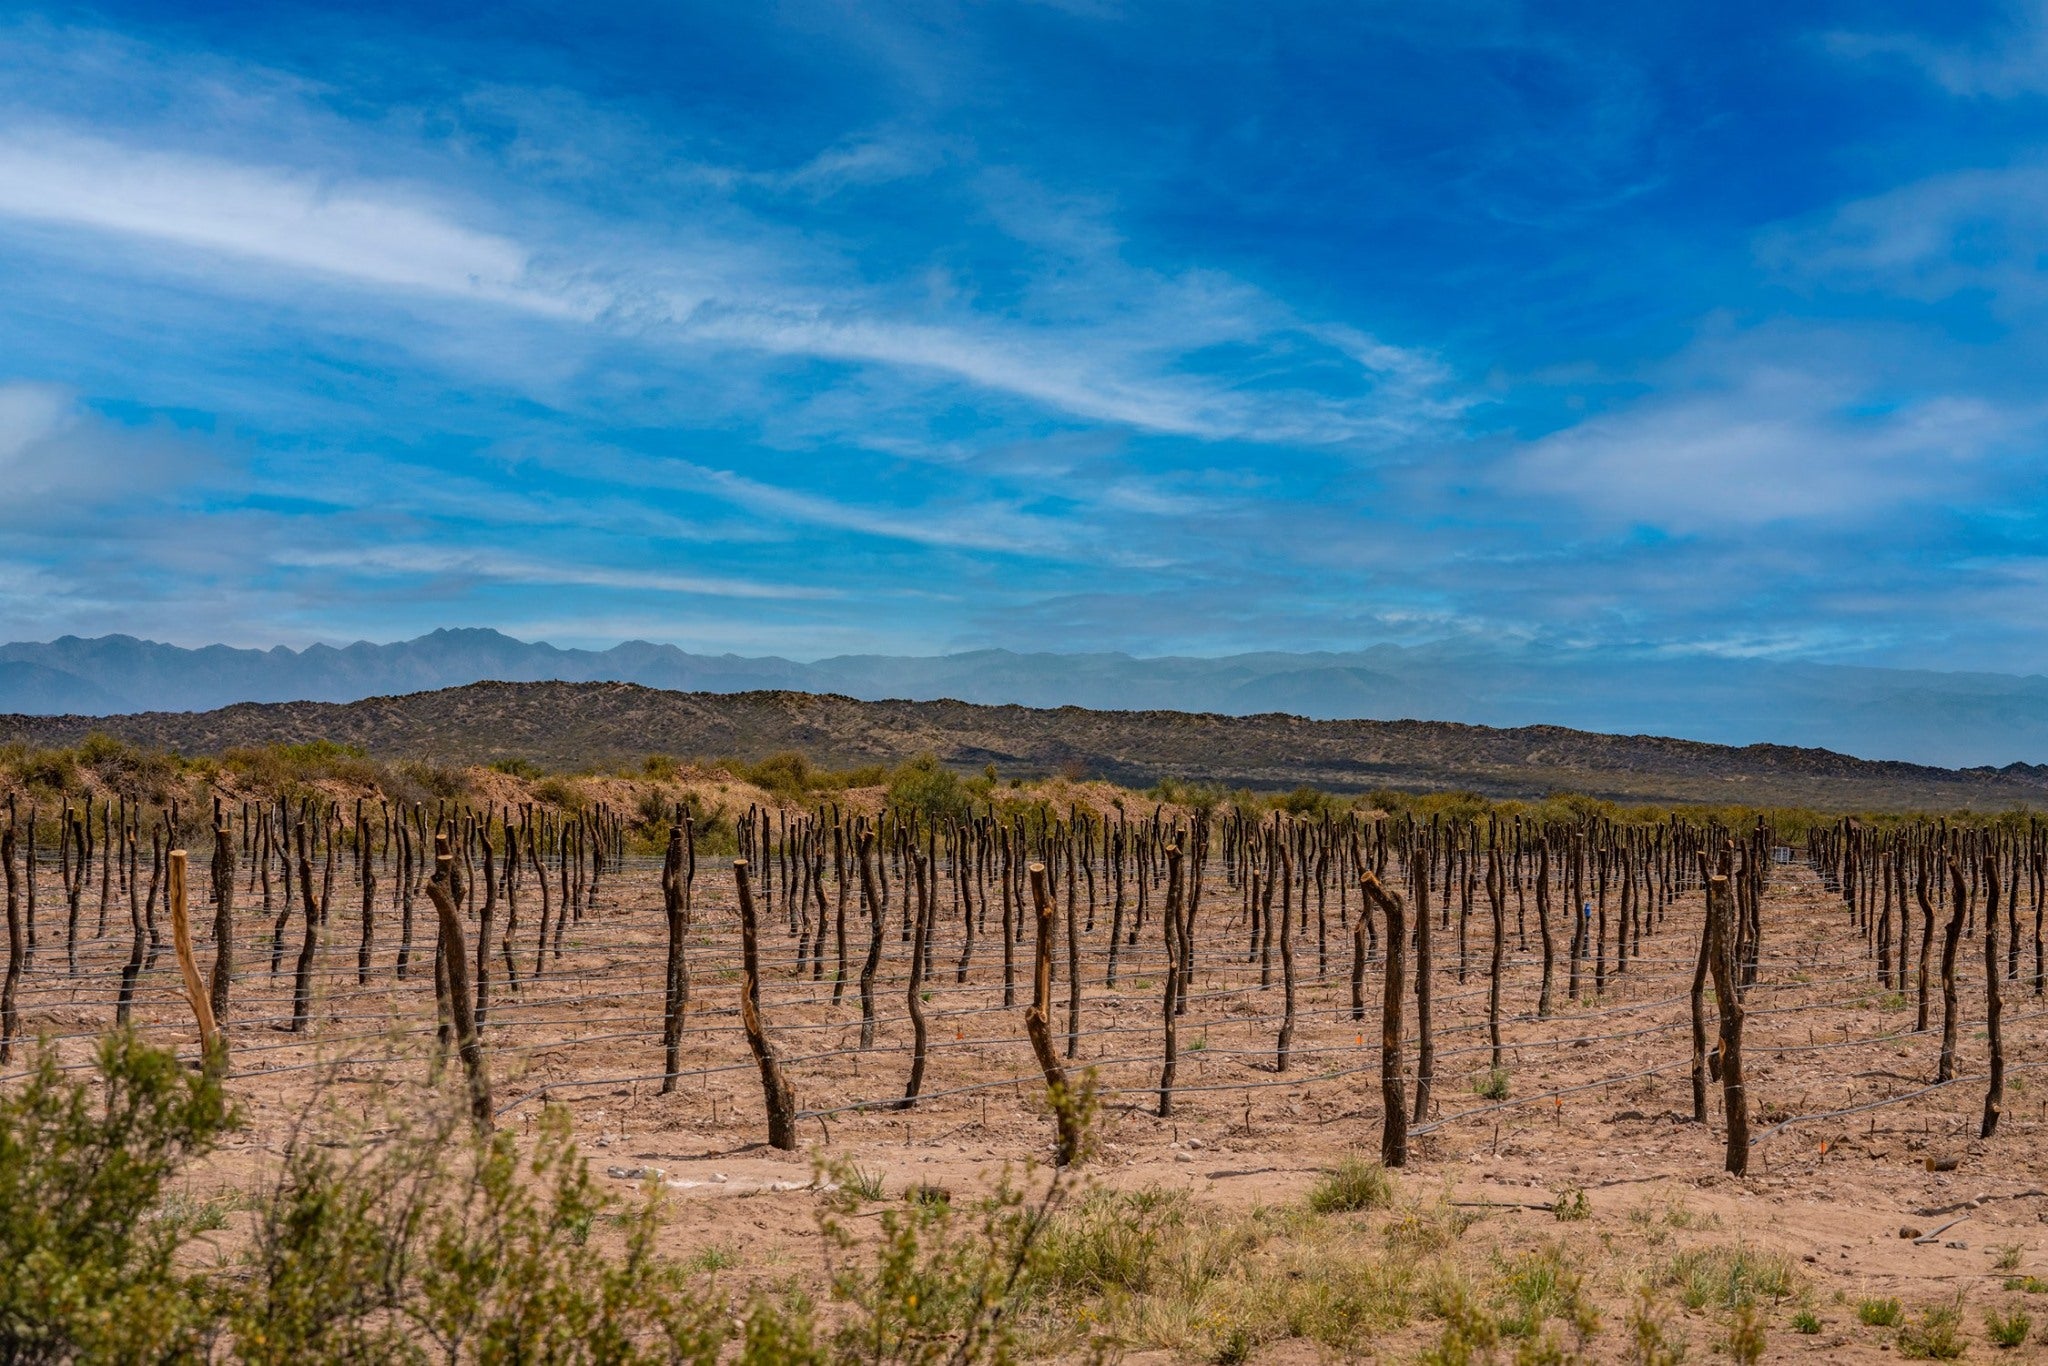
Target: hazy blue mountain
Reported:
[(1953, 719)]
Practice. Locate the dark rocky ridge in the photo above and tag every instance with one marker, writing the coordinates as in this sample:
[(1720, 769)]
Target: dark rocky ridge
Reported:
[(1919, 715), (575, 725)]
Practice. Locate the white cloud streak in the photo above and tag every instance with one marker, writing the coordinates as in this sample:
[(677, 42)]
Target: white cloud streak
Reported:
[(371, 235), (429, 561), (1122, 363), (1741, 438), (1980, 229), (2014, 62)]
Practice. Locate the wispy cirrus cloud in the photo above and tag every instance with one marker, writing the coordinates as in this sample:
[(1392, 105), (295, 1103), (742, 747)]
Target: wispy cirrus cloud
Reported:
[(1124, 359), (373, 235), (979, 325), (1763, 431), (2011, 59), (1981, 230), (429, 561)]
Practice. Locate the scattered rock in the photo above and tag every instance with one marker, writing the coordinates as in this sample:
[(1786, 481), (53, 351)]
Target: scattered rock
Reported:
[(633, 1173), (1908, 1231)]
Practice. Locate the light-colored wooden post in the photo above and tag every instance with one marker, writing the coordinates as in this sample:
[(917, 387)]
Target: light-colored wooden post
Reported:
[(181, 941)]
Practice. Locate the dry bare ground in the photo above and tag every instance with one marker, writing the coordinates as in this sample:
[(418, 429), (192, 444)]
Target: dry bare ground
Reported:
[(1583, 1208)]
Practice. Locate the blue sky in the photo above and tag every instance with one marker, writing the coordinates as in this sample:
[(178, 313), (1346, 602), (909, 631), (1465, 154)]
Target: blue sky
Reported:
[(816, 328)]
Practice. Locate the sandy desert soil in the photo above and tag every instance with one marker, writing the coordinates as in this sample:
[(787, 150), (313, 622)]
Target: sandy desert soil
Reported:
[(1599, 1100)]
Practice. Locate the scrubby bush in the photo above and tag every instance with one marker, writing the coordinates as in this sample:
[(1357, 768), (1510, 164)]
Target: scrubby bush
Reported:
[(431, 1242), (927, 787), (788, 775), (442, 1246), (1356, 1184), (1935, 1335), (1308, 801), (1727, 1277), (91, 1272), (417, 779), (2009, 1329)]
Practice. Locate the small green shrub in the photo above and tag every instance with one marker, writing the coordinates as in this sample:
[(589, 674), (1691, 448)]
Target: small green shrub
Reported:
[(1108, 1243), (711, 1261), (1881, 1313), (1746, 1338), (938, 1283), (1649, 1343), (433, 780), (1727, 1277), (1470, 1335), (1493, 1085), (1356, 1184), (1806, 1321), (1236, 1347), (788, 775), (1308, 801), (2008, 1330), (560, 792), (1936, 1335), (1539, 1285), (311, 753), (927, 787), (1571, 1205), (861, 1183)]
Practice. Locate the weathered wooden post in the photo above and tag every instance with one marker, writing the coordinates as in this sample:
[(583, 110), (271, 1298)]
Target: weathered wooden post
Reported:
[(1496, 896), (1286, 1040), (1176, 949), (1994, 1094), (132, 969), (1923, 862), (223, 914), (1038, 1025), (1549, 937), (780, 1100), (10, 1019), (1700, 969), (454, 965), (871, 896), (1360, 929), (1951, 940), (1393, 1100), (302, 976), (1425, 1046), (920, 934), (1728, 999), (675, 894), (181, 943)]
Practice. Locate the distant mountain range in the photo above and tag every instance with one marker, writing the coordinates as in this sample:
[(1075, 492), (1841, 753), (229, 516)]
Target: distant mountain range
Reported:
[(1946, 719)]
